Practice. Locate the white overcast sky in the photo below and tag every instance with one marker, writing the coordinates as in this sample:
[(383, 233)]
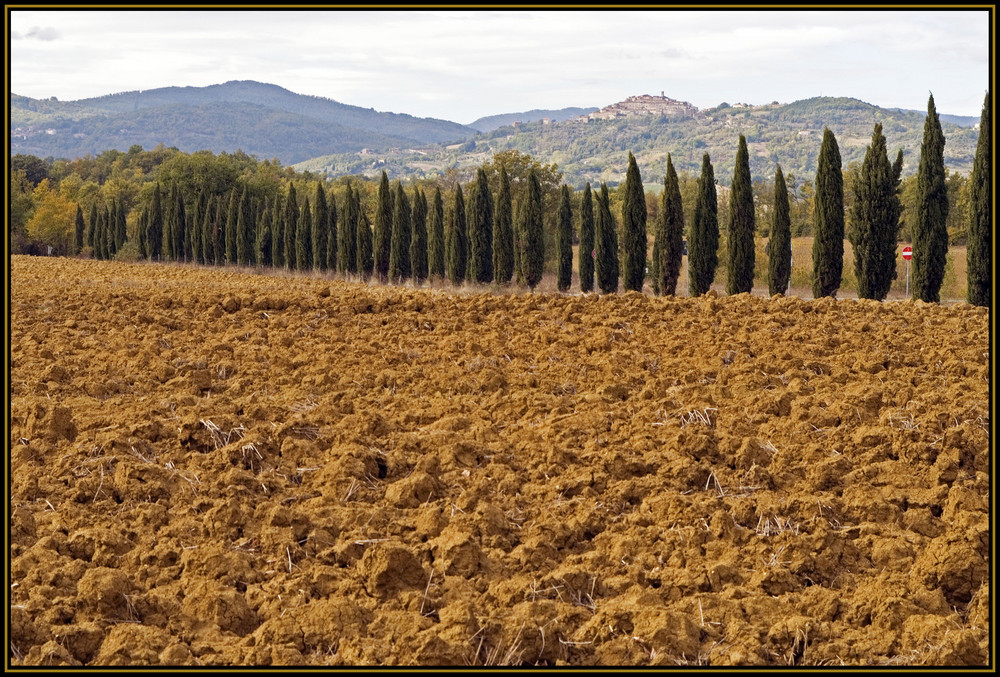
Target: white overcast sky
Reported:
[(461, 65)]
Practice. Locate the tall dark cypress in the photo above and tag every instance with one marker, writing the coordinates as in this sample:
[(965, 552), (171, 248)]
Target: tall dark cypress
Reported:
[(980, 213), (219, 230), (382, 235), (564, 241), (103, 250), (418, 238), (348, 234), (456, 241), (121, 227), (332, 236), (207, 228), (91, 226), (503, 232), (154, 230), (532, 237), (194, 230), (262, 243), (278, 234), (605, 244), (291, 228), (366, 259), (669, 233), (586, 253), (80, 226), (741, 225), (194, 221), (930, 232), (320, 229), (703, 241), (875, 221), (828, 220), (633, 229), (435, 236), (399, 249), (304, 239), (232, 227), (179, 231), (481, 231), (244, 231), (140, 232), (779, 246)]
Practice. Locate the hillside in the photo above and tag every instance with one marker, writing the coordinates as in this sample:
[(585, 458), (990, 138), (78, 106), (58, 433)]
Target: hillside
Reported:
[(267, 121), (597, 150), (492, 122)]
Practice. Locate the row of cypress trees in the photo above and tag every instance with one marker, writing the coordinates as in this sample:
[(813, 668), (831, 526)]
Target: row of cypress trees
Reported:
[(482, 241)]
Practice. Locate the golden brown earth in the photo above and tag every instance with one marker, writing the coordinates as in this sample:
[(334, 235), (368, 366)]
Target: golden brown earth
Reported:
[(223, 468)]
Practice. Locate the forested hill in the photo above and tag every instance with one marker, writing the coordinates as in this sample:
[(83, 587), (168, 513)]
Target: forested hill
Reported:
[(491, 122), (260, 119)]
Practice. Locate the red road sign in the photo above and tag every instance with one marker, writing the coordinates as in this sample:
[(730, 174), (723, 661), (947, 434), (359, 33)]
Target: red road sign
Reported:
[(907, 253)]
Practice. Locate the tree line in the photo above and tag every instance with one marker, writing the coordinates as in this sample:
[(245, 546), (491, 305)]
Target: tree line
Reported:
[(501, 229)]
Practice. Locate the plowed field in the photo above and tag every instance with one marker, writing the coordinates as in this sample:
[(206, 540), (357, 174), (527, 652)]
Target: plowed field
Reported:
[(219, 468)]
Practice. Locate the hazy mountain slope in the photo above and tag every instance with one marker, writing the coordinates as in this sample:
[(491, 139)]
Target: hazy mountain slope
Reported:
[(491, 122)]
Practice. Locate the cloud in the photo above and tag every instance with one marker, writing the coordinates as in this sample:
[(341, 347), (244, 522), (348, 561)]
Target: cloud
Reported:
[(46, 34)]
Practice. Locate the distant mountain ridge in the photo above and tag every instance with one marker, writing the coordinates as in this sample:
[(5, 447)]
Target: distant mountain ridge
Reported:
[(491, 122), (268, 121)]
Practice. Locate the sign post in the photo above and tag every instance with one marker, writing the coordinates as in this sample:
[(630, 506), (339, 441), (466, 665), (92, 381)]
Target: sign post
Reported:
[(907, 254)]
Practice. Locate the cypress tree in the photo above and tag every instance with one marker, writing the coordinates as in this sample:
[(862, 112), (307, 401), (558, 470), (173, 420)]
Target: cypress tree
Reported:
[(366, 261), (564, 241), (828, 220), (291, 229), (320, 228), (304, 239), (481, 231), (456, 240), (605, 244), (179, 228), (207, 226), (779, 263), (232, 227), (518, 243), (503, 232), (532, 240), (348, 235), (92, 227), (102, 234), (669, 239), (741, 225), (703, 241), (399, 250), (633, 229), (154, 230), (418, 238), (262, 244), (244, 231), (140, 233), (980, 213), (121, 227), (167, 234), (586, 251), (875, 221), (219, 231), (435, 237), (278, 233), (197, 220), (80, 228), (382, 236), (930, 232), (332, 236)]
